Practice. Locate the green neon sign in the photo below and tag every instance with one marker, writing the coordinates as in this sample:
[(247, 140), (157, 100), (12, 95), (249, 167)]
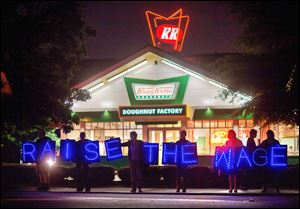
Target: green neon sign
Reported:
[(165, 91)]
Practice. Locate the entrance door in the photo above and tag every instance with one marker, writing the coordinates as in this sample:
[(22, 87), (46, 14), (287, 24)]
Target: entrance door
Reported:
[(160, 135)]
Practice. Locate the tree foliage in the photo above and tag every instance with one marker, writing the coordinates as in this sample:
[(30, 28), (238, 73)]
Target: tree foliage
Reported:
[(41, 45), (269, 68)]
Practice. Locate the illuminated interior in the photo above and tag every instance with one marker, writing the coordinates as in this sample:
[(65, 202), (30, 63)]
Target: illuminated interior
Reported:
[(207, 133)]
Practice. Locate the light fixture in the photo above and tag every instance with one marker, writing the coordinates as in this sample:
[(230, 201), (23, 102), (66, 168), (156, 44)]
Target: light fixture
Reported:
[(218, 85), (50, 162), (248, 98), (128, 70), (96, 86), (181, 68)]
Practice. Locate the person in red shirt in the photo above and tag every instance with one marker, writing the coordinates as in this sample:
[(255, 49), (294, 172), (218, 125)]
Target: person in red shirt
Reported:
[(233, 142)]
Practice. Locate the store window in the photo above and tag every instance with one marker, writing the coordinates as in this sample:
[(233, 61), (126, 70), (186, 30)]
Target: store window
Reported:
[(250, 123), (205, 124), (221, 124), (242, 123), (177, 125), (190, 124), (106, 125), (94, 125), (289, 136), (113, 125), (126, 125), (101, 125), (198, 124), (76, 127), (88, 125), (218, 137), (229, 123), (201, 137), (132, 125)]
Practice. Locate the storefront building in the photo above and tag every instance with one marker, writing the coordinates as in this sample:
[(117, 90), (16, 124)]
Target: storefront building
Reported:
[(157, 92)]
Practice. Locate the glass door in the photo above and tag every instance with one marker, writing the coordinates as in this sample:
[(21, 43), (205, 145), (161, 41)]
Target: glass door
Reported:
[(162, 135), (172, 135), (157, 136)]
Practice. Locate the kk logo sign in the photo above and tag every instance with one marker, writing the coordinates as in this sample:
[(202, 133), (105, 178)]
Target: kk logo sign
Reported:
[(168, 32)]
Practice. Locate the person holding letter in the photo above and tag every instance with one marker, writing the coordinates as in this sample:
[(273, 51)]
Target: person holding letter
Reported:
[(42, 167), (82, 166), (181, 179), (233, 142), (136, 161), (270, 176)]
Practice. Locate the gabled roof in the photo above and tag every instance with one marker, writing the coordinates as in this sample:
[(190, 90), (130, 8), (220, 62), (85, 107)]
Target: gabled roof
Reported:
[(91, 67), (103, 69)]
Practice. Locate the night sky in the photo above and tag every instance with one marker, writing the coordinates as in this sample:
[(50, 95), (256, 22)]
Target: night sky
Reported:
[(122, 28)]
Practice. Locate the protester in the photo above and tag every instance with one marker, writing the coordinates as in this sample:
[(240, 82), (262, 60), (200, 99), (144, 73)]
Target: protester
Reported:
[(233, 143), (136, 161), (249, 175), (181, 179), (42, 165), (83, 169), (270, 176)]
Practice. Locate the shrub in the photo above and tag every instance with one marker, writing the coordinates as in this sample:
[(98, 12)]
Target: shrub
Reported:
[(124, 174), (59, 173), (199, 177), (152, 176), (168, 174), (219, 181), (102, 175)]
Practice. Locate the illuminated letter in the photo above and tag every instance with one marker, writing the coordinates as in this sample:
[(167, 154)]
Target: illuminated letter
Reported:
[(48, 148), (68, 150), (243, 155), (113, 149), (189, 154), (169, 149), (227, 164), (151, 153), (165, 33), (265, 157), (91, 151), (173, 35), (278, 156), (29, 152)]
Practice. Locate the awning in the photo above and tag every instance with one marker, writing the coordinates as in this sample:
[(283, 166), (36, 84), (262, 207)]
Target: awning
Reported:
[(219, 114), (99, 116)]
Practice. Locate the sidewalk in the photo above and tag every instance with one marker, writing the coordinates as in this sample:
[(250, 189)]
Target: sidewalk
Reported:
[(192, 191)]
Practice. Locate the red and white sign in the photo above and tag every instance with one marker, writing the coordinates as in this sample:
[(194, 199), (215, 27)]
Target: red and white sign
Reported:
[(168, 32), (155, 92)]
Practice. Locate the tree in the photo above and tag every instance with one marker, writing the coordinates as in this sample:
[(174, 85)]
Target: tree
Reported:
[(41, 45), (269, 68)]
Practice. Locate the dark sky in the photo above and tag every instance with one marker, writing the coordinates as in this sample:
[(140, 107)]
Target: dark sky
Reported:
[(122, 27)]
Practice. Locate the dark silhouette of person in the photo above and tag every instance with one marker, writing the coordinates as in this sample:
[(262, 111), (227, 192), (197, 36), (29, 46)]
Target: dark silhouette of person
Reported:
[(249, 174), (251, 145), (270, 176), (181, 177), (233, 142), (82, 167), (42, 166), (136, 161)]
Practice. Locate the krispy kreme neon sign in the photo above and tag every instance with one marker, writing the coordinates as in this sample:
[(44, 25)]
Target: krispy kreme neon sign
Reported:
[(168, 32)]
